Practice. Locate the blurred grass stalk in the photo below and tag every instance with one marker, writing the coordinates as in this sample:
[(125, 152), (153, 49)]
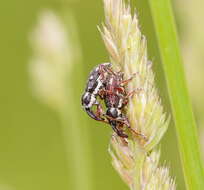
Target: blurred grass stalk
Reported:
[(192, 42), (137, 161), (182, 112), (56, 53)]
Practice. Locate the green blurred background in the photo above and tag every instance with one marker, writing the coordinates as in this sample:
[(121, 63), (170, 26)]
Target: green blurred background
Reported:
[(32, 149)]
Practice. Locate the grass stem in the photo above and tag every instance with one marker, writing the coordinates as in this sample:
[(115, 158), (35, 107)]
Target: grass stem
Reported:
[(77, 146), (181, 107)]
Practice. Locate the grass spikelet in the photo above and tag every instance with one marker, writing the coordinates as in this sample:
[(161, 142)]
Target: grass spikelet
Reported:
[(56, 53), (136, 161), (52, 60)]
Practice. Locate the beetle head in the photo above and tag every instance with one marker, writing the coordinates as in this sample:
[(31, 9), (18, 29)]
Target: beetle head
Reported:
[(88, 100)]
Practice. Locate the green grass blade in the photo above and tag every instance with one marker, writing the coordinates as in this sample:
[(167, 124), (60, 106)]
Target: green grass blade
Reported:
[(181, 108)]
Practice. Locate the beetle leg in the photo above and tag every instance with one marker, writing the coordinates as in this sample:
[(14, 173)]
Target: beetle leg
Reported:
[(118, 131), (103, 92), (125, 82), (131, 94), (99, 113), (138, 133), (101, 71), (119, 119), (124, 121), (110, 71), (120, 89)]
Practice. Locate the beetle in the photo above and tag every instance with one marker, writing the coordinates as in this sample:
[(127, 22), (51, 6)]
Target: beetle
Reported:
[(105, 84), (116, 98), (95, 83)]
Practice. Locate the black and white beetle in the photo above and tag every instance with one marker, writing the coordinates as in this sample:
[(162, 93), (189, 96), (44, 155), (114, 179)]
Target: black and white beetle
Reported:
[(108, 85), (95, 83), (116, 98)]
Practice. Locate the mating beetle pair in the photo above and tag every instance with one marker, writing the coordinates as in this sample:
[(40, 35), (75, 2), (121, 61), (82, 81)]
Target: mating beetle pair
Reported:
[(105, 84)]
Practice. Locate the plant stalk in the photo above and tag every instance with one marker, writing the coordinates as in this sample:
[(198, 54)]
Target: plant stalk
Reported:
[(77, 149), (181, 107)]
